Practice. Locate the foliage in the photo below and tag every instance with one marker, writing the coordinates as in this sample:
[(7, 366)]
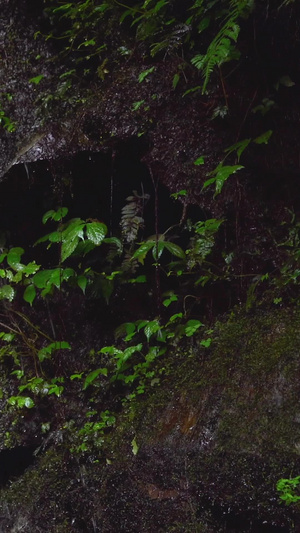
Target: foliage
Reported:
[(80, 26), (222, 47), (287, 489)]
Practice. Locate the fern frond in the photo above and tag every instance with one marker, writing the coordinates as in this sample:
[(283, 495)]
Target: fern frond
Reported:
[(222, 48), (132, 216)]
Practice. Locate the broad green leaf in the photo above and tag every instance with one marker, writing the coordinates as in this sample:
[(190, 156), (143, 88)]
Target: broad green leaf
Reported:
[(41, 279), (93, 375), (264, 137), (46, 351), (7, 293), (142, 251), (110, 350), (238, 147), (66, 273), (115, 241), (168, 301), (68, 248), (191, 327), (174, 249), (31, 268), (13, 258), (157, 249), (29, 294), (222, 173), (96, 232), (206, 342), (48, 215), (55, 236), (151, 328), (128, 352)]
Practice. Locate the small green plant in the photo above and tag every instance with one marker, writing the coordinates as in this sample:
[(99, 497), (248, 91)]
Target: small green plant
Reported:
[(90, 436), (287, 489)]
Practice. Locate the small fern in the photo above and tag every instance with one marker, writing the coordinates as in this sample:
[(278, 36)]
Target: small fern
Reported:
[(222, 48), (132, 216)]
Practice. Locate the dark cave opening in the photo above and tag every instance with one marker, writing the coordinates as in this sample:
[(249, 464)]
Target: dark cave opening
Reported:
[(14, 462)]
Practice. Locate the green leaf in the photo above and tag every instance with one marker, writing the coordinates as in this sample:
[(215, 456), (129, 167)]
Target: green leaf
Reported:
[(174, 249), (191, 327), (199, 161), (151, 328), (13, 258), (82, 283), (55, 215), (168, 301), (36, 80), (238, 147), (145, 73), (264, 137), (175, 81), (29, 294), (157, 249), (60, 214), (96, 232), (41, 279), (142, 251), (222, 173), (206, 342), (7, 293), (21, 401), (68, 247), (134, 446), (31, 268), (92, 376), (91, 42)]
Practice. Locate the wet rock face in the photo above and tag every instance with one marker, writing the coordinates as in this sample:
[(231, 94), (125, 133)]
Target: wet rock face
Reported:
[(202, 451), (221, 426)]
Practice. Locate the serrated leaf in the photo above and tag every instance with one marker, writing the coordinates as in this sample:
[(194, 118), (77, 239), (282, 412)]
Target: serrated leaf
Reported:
[(29, 294), (68, 247), (31, 268), (96, 232)]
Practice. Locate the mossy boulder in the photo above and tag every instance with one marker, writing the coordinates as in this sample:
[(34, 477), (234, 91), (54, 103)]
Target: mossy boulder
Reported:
[(200, 451)]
